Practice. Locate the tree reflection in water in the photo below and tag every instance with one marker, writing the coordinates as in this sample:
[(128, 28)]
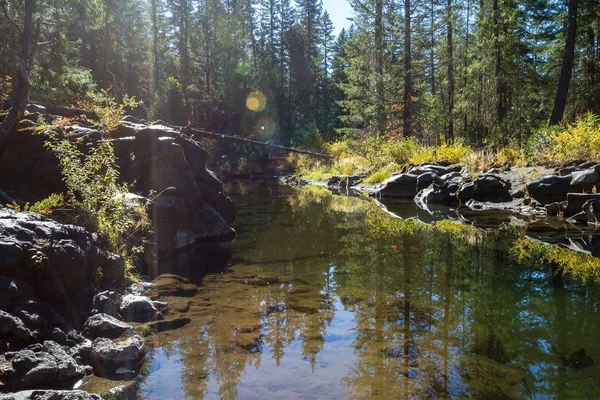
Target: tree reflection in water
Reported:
[(329, 297)]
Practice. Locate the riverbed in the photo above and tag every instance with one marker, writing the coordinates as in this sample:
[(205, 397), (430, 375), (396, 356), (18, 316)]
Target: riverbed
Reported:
[(329, 297)]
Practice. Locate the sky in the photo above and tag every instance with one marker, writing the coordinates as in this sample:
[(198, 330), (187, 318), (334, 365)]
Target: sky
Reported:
[(338, 11)]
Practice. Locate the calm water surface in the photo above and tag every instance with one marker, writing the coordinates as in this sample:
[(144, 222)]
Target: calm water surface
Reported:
[(327, 298)]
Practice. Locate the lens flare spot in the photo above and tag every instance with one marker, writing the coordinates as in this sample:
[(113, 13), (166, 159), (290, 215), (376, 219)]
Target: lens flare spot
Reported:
[(243, 68), (256, 101), (266, 127)]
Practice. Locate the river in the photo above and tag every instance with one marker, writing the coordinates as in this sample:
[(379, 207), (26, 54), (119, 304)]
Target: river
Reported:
[(328, 297)]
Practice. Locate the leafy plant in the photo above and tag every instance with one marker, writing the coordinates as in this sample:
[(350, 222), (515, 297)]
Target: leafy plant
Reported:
[(109, 111), (43, 207), (99, 200)]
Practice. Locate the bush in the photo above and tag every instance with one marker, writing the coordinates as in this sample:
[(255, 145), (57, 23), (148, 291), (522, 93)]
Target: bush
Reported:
[(108, 110), (43, 207), (571, 142), (97, 198)]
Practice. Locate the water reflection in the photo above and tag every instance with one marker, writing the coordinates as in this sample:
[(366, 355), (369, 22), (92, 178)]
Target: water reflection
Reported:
[(328, 297)]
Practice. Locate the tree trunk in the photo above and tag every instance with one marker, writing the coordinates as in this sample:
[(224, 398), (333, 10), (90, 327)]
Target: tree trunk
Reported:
[(450, 138), (465, 60), (155, 55), (379, 66), (406, 123), (560, 100), (21, 91), (432, 53)]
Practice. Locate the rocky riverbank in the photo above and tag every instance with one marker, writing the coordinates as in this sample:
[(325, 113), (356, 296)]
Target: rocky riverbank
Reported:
[(568, 192), (67, 310)]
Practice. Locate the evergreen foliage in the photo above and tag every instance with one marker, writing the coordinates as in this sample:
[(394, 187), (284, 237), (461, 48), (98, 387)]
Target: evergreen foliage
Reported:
[(485, 72)]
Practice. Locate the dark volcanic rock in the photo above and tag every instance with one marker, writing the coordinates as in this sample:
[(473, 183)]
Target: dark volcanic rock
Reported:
[(578, 359), (107, 356), (14, 290), (436, 169), (576, 201), (103, 325), (427, 179), (51, 395), (398, 186), (485, 188), (56, 259), (592, 210), (13, 329), (104, 303), (550, 189), (138, 309), (50, 366)]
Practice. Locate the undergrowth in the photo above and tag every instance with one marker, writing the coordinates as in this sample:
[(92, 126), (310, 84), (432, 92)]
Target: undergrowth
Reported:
[(563, 144), (377, 158), (97, 199)]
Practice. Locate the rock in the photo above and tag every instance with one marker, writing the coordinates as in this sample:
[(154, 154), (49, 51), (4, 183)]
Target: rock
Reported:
[(579, 218), (140, 288), (592, 210), (107, 356), (103, 325), (450, 176), (437, 169), (550, 189), (51, 395), (440, 194), (553, 208), (398, 186), (586, 177), (578, 359), (104, 304), (57, 260), (575, 202), (161, 306), (5, 199), (172, 285), (13, 290), (44, 368), (138, 309), (13, 329), (485, 188), (58, 336), (32, 320), (427, 179), (113, 270), (81, 352)]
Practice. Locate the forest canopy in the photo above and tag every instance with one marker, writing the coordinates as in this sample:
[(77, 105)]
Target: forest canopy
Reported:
[(486, 72)]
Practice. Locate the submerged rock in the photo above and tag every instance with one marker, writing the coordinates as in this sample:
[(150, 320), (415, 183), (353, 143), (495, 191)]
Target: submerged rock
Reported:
[(578, 359), (172, 285)]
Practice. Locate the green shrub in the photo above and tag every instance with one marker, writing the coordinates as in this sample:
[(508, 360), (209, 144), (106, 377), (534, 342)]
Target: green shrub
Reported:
[(576, 141), (109, 111), (97, 198), (43, 207)]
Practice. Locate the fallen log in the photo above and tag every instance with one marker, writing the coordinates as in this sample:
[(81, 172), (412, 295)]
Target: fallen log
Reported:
[(251, 142), (69, 112), (61, 111)]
